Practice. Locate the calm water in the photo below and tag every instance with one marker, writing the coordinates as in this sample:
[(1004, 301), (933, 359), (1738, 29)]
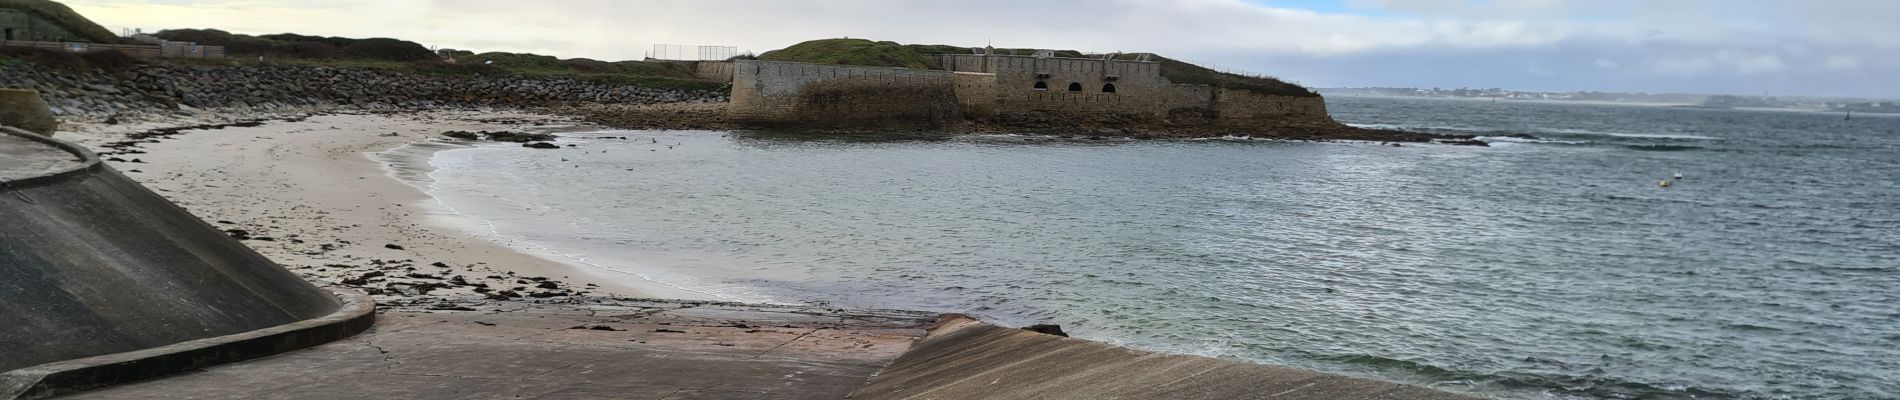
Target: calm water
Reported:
[(1554, 268)]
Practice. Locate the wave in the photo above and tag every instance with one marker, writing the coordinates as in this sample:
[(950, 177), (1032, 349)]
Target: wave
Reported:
[(1629, 135), (1583, 385), (1660, 147), (1512, 139)]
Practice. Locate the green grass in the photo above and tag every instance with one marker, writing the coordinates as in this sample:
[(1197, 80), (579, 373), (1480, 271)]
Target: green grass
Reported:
[(65, 17), (852, 52), (517, 67), (865, 52)]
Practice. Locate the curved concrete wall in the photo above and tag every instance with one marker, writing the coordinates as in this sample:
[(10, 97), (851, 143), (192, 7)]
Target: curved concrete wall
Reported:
[(91, 263)]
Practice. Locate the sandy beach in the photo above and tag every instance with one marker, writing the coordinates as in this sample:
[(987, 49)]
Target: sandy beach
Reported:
[(308, 193)]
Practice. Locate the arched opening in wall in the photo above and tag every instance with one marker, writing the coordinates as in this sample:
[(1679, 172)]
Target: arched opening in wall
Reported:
[(1040, 85), (1108, 88), (1075, 86)]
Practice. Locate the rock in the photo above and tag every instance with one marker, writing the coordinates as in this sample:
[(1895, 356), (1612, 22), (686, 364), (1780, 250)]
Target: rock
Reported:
[(1047, 329), (598, 327), (392, 247), (541, 145), (24, 109)]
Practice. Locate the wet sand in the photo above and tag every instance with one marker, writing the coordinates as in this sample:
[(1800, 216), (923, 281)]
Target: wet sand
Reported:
[(308, 194)]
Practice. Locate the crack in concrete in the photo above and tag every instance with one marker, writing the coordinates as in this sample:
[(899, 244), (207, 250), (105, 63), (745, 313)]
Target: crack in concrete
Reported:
[(775, 348), (384, 353)]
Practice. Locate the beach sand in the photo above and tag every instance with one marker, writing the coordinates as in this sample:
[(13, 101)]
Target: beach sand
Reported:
[(307, 194)]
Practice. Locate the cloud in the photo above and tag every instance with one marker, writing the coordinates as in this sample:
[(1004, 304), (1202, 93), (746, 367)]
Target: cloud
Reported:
[(1841, 62), (1654, 42), (1739, 62)]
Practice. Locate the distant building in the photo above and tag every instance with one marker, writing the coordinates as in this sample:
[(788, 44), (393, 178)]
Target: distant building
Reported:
[(1037, 89), (22, 25)]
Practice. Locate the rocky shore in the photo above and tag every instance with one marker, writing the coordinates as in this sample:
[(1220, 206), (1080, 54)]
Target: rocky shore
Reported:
[(167, 89)]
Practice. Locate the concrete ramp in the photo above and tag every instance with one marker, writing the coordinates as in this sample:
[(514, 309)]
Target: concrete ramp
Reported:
[(963, 358), (93, 264)]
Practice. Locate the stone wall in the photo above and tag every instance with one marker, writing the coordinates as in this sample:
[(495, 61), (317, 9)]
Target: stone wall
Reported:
[(976, 94), (1183, 96), (25, 26), (1243, 109), (966, 63), (165, 87), (800, 95), (716, 71), (1139, 90)]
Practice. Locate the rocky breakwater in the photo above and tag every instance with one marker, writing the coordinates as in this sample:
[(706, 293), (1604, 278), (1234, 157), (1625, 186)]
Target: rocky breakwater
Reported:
[(165, 88)]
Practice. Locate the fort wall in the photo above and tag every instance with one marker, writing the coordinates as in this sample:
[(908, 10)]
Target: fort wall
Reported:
[(1187, 97), (1081, 87), (788, 94), (1242, 109), (718, 71), (23, 26), (1038, 91), (976, 94)]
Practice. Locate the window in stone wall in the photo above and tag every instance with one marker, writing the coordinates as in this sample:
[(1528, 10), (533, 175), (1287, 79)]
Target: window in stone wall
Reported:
[(1040, 85), (1075, 86), (1108, 88)]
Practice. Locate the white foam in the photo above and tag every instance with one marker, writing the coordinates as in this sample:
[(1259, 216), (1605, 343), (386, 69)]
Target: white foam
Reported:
[(1508, 139), (1633, 135)]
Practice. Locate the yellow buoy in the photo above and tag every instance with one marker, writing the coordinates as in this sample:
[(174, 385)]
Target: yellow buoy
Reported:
[(1665, 183)]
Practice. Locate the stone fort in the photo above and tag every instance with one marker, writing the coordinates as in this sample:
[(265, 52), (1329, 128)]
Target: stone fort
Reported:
[(22, 25), (987, 87)]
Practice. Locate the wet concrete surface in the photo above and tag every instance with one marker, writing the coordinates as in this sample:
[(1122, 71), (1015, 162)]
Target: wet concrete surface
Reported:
[(21, 157), (580, 348), (966, 359)]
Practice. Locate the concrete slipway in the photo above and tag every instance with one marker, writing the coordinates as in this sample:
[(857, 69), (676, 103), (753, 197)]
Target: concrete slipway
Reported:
[(107, 283)]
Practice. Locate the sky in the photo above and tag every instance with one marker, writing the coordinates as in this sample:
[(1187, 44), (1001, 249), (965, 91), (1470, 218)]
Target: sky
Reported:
[(1751, 47)]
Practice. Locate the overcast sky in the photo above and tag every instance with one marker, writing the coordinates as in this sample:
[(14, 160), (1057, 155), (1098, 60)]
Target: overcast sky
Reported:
[(1778, 47)]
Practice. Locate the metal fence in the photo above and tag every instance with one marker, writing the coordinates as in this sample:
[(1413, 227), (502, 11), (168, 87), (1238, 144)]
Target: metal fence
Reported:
[(167, 50), (692, 53)]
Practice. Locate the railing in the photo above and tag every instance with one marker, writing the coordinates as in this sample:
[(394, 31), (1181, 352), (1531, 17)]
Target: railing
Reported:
[(167, 50)]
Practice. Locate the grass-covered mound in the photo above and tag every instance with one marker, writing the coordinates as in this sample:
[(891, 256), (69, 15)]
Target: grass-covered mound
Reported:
[(65, 17), (865, 52), (304, 47), (852, 52), (412, 57), (660, 74)]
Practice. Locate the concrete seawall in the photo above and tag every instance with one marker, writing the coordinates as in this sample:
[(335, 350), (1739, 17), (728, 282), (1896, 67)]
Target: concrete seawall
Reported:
[(96, 264)]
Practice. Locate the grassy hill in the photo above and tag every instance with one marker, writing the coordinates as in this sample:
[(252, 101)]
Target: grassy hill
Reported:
[(65, 17), (414, 57), (919, 56)]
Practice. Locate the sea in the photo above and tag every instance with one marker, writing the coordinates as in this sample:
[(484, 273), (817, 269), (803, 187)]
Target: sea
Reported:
[(1551, 267)]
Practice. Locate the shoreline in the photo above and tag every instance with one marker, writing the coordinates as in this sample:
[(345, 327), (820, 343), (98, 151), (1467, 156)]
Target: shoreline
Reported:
[(308, 193), (391, 201), (416, 156)]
